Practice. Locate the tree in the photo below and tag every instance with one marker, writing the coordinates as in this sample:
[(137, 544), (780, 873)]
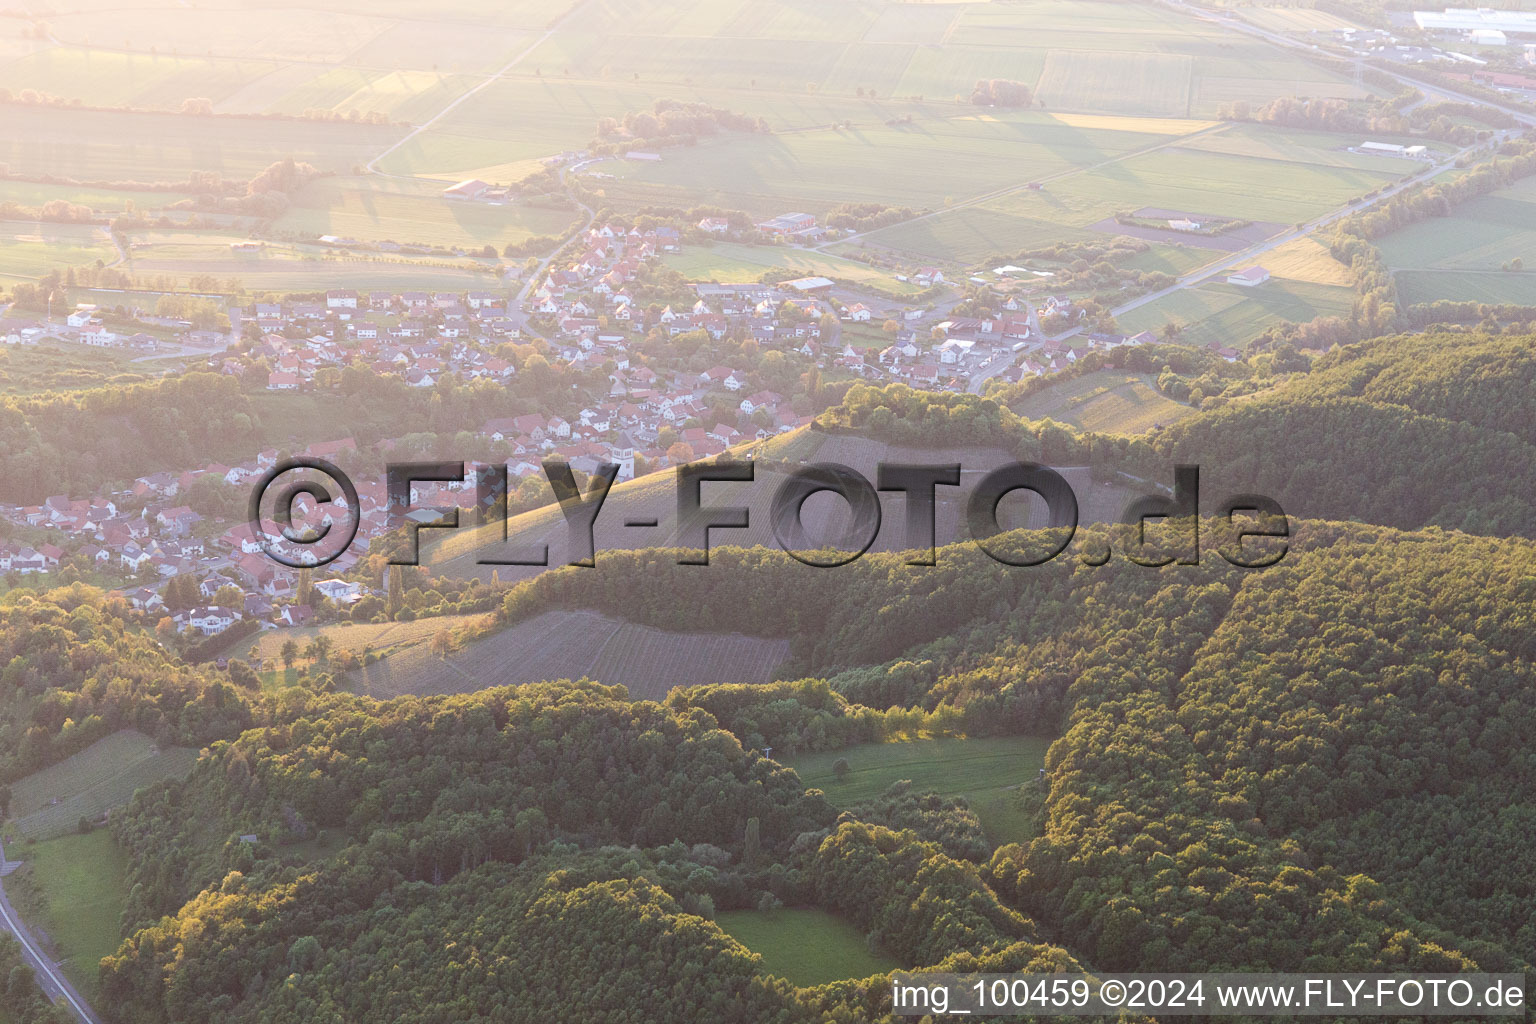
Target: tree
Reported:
[(752, 843), (840, 768), (243, 676), (289, 653), (442, 643)]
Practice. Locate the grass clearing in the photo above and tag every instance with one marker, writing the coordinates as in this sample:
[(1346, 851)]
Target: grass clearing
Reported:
[(986, 771), (805, 946), (1110, 401), (104, 775), (72, 889)]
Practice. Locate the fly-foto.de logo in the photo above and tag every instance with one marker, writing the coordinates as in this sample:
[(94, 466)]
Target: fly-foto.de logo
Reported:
[(1157, 530)]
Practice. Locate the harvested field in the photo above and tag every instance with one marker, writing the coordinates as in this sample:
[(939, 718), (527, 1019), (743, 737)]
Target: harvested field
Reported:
[(572, 645)]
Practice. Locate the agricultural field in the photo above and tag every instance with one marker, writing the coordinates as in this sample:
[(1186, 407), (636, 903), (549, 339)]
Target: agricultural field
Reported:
[(1481, 234), (104, 775), (1517, 289), (987, 772), (1296, 19), (150, 81), (1217, 314), (1244, 172), (805, 946), (730, 263), (181, 255), (1108, 401), (573, 645), (103, 146), (72, 890), (1151, 84), (926, 165), (33, 248), (1307, 260)]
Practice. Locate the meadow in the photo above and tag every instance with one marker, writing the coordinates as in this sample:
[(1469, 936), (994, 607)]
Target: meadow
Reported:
[(805, 946), (987, 772), (1216, 314), (87, 785), (1108, 401), (73, 888)]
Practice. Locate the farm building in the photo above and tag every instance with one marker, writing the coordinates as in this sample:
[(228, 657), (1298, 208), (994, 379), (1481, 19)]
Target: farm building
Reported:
[(1392, 149), (809, 285), (1249, 278), (467, 190), (788, 225)]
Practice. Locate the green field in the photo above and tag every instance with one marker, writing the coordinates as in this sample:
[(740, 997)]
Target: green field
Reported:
[(73, 888), (1217, 314), (181, 255), (1156, 84), (987, 772), (1518, 289), (1109, 401), (32, 248), (104, 775), (1245, 172), (729, 263), (102, 146), (805, 946), (1478, 235), (924, 165), (378, 209)]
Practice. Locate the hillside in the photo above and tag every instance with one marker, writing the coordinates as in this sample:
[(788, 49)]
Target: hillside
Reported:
[(575, 645)]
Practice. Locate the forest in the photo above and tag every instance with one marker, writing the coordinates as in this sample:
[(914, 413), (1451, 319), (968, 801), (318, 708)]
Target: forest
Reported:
[(1323, 765)]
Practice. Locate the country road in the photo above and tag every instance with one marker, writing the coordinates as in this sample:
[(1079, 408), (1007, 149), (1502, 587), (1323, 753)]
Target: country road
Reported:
[(50, 978)]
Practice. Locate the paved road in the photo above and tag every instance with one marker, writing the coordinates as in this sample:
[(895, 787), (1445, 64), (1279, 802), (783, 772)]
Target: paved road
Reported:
[(49, 977)]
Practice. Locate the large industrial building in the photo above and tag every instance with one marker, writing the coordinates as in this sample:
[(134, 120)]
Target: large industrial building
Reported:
[(1480, 24)]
